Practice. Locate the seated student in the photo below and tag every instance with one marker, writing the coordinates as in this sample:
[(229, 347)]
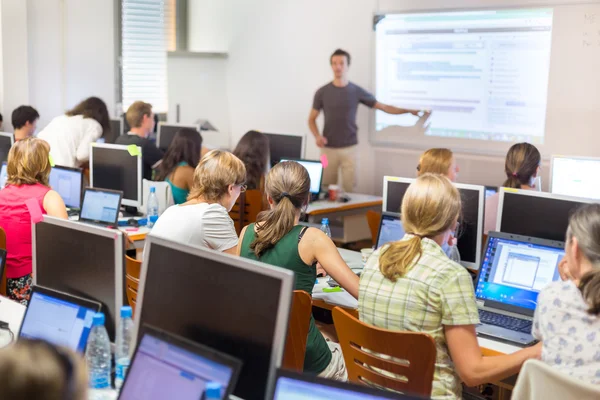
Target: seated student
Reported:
[(38, 370), (179, 162), (141, 120), (28, 171), (567, 317), (277, 239), (71, 134), (253, 150), (204, 220), (522, 166), (410, 285), (24, 121)]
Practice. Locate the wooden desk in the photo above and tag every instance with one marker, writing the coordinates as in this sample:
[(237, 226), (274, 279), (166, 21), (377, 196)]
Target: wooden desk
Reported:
[(348, 220)]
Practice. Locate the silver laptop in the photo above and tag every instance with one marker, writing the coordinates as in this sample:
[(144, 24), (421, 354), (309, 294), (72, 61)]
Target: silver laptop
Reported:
[(513, 271), (100, 207)]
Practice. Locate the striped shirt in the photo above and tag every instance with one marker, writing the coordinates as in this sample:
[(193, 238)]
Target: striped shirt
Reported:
[(434, 292)]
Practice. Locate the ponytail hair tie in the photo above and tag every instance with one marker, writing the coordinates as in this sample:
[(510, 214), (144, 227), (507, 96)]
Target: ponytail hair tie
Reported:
[(515, 174), (285, 194), (416, 235)]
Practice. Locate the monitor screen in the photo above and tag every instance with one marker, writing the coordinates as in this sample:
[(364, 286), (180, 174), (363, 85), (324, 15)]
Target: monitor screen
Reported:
[(167, 132), (285, 147), (539, 216), (490, 191), (113, 167), (163, 370), (6, 142), (513, 272), (3, 175), (58, 321), (572, 176), (250, 321), (116, 130), (315, 171), (100, 206), (81, 260), (394, 195), (67, 182), (390, 229), (469, 230)]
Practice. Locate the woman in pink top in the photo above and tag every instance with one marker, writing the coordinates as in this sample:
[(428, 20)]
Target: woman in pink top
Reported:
[(26, 188), (522, 167)]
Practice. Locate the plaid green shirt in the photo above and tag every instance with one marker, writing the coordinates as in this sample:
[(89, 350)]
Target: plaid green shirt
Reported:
[(434, 292)]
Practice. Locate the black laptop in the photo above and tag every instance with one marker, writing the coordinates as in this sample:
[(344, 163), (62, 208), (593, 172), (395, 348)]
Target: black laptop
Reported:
[(100, 207)]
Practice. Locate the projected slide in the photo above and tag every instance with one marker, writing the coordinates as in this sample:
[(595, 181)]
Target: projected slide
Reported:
[(484, 74)]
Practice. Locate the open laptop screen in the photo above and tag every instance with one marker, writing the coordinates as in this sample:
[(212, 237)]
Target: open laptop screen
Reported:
[(100, 206), (514, 271), (390, 229), (67, 182), (3, 175)]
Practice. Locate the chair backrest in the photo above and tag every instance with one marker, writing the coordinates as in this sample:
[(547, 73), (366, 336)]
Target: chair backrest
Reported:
[(132, 280), (297, 333), (163, 193), (406, 359), (3, 278), (246, 209), (373, 219), (538, 380)]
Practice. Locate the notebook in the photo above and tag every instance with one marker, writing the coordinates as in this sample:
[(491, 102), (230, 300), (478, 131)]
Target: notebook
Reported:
[(58, 318), (100, 206), (513, 271)]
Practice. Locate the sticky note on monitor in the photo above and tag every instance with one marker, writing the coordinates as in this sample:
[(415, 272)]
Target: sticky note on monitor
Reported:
[(133, 150), (51, 160), (324, 160)]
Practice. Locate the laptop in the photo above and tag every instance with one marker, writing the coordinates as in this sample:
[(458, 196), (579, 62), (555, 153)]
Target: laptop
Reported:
[(2, 261), (292, 385), (59, 318), (3, 175), (513, 271), (490, 191), (100, 207), (390, 229), (315, 171), (166, 366), (68, 182)]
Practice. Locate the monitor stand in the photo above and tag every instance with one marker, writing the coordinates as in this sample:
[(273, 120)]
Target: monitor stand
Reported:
[(129, 211)]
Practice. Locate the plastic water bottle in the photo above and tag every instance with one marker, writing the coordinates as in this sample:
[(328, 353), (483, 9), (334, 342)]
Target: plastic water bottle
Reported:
[(152, 207), (212, 391), (123, 345), (325, 227), (97, 355)]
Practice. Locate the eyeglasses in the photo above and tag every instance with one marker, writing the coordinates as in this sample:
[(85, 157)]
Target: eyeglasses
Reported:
[(243, 187)]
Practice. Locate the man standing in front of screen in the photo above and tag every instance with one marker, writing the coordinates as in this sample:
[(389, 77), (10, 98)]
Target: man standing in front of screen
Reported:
[(339, 101)]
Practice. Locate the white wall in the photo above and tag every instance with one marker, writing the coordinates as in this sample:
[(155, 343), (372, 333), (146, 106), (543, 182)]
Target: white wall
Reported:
[(209, 25)]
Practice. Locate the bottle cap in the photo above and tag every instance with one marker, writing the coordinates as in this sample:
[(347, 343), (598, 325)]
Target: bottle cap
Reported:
[(213, 390), (153, 218), (126, 312), (152, 189), (325, 221), (98, 319)]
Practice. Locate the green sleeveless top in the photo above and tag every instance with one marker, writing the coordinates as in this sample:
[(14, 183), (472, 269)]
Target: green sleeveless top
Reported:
[(179, 195), (285, 255)]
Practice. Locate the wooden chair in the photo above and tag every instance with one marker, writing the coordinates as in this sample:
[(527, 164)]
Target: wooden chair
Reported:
[(3, 278), (132, 280), (246, 209), (412, 355), (297, 333), (374, 219)]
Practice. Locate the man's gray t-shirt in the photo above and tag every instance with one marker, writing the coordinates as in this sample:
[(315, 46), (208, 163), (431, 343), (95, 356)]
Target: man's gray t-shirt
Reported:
[(339, 104)]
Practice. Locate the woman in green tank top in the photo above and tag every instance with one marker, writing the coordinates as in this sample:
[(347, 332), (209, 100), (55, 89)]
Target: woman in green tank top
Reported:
[(179, 162), (277, 239)]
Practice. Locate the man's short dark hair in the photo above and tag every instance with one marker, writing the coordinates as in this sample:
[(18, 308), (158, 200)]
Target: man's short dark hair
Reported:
[(340, 52), (22, 115)]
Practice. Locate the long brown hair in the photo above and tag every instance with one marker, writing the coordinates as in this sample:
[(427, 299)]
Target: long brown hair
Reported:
[(185, 147), (435, 161), (584, 225), (94, 108), (28, 162), (522, 162), (253, 150), (430, 206), (288, 184), (216, 171)]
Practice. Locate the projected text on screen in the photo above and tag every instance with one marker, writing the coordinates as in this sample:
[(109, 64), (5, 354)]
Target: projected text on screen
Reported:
[(484, 74)]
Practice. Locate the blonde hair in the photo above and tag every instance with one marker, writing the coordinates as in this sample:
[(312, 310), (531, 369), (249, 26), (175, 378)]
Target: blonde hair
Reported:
[(213, 175), (430, 206), (34, 369), (135, 113), (28, 162), (435, 161), (288, 184)]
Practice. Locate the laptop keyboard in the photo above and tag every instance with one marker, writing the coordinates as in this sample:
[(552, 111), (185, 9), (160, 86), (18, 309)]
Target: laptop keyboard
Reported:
[(504, 321)]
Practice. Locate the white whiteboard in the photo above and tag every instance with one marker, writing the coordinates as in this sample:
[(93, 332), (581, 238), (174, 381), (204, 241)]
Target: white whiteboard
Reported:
[(573, 104)]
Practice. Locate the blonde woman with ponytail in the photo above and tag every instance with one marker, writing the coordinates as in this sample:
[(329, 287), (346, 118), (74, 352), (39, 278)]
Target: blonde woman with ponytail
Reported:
[(567, 317), (411, 285), (277, 239)]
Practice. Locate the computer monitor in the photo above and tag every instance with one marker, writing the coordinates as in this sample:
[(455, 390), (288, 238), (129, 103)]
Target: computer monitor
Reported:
[(536, 214), (234, 305), (3, 175), (58, 318), (116, 130), (390, 229), (68, 182), (393, 192), (6, 142), (82, 260), (166, 133), (490, 191), (292, 385), (285, 147), (168, 366), (315, 171), (116, 167), (575, 176)]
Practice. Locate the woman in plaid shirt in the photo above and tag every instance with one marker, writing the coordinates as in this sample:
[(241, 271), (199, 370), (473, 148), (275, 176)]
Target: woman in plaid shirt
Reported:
[(411, 285)]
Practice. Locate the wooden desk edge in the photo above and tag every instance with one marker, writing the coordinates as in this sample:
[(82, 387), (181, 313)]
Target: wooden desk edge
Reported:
[(136, 236), (347, 207)]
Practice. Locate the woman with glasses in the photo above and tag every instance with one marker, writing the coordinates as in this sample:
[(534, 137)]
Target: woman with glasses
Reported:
[(203, 220)]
